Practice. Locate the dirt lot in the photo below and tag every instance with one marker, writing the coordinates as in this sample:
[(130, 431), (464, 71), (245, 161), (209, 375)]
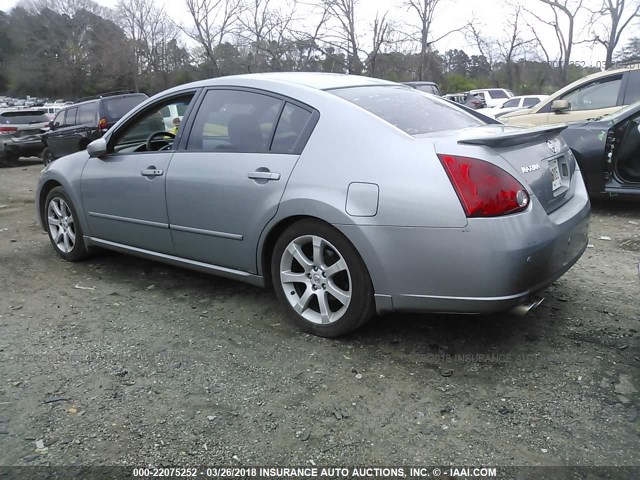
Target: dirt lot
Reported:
[(120, 361)]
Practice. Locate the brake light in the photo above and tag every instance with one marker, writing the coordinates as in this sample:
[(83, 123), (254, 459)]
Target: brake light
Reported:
[(8, 129), (102, 124), (484, 189)]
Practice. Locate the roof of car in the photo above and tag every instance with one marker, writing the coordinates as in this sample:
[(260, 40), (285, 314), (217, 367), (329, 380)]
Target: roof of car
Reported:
[(21, 110), (317, 80), (420, 82)]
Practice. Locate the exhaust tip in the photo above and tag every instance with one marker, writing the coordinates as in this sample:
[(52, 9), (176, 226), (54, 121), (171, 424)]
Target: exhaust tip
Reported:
[(522, 309)]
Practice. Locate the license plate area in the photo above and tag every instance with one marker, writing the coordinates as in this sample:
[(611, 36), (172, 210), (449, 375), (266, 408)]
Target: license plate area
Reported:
[(559, 174), (556, 179)]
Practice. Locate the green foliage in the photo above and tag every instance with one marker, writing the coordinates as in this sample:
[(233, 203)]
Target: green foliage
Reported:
[(455, 82)]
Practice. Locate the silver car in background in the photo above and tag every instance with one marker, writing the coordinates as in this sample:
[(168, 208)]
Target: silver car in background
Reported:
[(350, 195), (20, 131)]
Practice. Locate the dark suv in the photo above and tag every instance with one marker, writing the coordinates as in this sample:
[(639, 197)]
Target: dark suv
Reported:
[(429, 87), (77, 125)]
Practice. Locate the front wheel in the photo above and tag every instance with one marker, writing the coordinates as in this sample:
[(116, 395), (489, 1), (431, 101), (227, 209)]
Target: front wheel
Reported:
[(47, 156), (321, 279), (63, 226)]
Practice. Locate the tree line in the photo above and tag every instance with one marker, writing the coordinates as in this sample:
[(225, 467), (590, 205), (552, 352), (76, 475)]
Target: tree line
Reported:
[(75, 48)]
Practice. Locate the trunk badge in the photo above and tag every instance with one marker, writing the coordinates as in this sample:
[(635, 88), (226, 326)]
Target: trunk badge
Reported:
[(551, 146)]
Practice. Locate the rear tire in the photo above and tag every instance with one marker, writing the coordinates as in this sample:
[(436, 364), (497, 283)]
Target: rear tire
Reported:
[(321, 280), (63, 227)]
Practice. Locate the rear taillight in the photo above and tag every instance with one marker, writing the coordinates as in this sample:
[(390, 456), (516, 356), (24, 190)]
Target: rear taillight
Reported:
[(8, 129), (484, 189), (102, 124)]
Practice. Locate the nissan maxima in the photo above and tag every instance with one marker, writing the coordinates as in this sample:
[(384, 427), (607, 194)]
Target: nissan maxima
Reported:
[(349, 195)]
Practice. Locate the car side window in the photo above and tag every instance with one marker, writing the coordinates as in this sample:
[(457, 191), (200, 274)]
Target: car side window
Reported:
[(87, 114), (70, 118), (530, 102), (511, 103), (427, 88), (235, 121), (632, 94), (59, 120), (598, 94), (155, 127), (291, 127)]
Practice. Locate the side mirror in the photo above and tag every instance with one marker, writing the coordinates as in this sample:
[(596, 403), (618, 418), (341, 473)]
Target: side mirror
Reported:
[(97, 148), (561, 106), (51, 127)]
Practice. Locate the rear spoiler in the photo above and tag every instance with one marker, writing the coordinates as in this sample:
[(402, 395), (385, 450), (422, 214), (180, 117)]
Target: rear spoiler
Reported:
[(513, 137)]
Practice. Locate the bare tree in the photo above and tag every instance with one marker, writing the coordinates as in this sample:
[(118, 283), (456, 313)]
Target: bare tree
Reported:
[(344, 13), (512, 46), (564, 13), (609, 22), (309, 39), (150, 31), (269, 32), (212, 20), (381, 29), (485, 45), (65, 7), (424, 10)]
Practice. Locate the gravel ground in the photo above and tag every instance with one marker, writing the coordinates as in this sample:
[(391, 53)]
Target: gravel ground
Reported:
[(121, 361)]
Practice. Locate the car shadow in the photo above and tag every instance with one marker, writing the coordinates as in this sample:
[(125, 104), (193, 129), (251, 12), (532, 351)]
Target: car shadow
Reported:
[(22, 162)]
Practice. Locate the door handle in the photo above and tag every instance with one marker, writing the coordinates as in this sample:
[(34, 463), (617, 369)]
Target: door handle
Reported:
[(151, 172), (264, 175)]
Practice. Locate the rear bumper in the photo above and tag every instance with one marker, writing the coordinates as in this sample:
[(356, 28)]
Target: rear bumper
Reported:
[(28, 146), (489, 266)]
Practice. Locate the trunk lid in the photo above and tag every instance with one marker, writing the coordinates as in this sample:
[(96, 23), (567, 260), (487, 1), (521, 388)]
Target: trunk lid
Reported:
[(536, 157)]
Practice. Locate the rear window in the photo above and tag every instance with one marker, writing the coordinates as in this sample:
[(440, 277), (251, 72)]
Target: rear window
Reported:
[(408, 109), (498, 93), (23, 118), (115, 108)]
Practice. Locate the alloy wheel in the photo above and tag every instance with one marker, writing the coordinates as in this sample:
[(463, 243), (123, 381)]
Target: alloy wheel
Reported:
[(61, 224), (315, 279)]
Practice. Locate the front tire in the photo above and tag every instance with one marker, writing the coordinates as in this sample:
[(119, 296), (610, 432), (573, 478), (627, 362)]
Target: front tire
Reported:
[(63, 226), (47, 156), (321, 280)]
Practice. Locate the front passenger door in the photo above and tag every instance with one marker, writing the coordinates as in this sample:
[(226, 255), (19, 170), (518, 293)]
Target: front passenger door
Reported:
[(595, 99), (124, 191)]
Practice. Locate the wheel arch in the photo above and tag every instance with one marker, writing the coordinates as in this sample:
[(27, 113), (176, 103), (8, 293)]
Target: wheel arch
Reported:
[(352, 234), (270, 239), (44, 191)]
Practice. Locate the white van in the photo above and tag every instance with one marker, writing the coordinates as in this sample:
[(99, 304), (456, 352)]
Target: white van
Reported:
[(493, 96)]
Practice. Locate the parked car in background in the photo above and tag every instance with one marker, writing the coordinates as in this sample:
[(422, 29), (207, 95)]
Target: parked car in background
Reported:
[(599, 94), (429, 87), (455, 97), (76, 125), (492, 96), (51, 109), (608, 152), (20, 133), (514, 103), (474, 101), (349, 194)]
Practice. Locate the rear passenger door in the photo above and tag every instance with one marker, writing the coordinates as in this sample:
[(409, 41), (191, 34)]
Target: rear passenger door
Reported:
[(227, 184)]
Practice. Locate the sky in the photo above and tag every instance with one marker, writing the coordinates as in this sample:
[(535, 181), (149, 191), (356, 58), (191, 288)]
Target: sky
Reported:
[(489, 15)]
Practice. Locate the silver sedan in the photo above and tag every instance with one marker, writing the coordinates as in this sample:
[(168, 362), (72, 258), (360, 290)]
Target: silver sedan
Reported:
[(349, 195)]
